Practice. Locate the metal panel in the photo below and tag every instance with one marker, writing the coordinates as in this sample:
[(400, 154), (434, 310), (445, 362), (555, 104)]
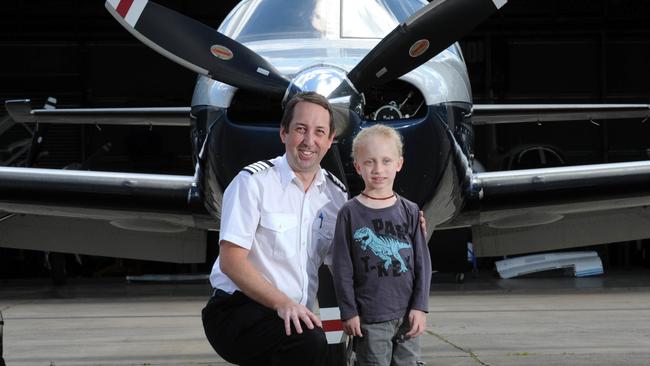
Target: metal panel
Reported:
[(573, 230), (96, 237)]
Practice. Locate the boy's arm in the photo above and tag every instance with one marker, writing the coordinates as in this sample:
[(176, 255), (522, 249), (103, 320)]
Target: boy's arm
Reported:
[(342, 266), (422, 265)]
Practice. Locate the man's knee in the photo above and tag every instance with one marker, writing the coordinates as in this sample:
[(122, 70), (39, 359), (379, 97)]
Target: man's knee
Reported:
[(315, 339), (209, 325), (217, 330), (307, 347)]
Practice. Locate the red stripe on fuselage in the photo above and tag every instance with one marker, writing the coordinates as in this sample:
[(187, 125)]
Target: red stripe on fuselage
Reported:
[(332, 325), (123, 7)]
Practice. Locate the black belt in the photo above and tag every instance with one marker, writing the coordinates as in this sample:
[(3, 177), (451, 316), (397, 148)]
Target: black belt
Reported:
[(217, 292)]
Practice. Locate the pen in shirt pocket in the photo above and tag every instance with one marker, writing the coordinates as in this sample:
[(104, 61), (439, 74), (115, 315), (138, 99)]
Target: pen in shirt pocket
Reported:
[(320, 216)]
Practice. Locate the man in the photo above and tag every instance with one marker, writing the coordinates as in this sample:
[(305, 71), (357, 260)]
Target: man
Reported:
[(277, 222)]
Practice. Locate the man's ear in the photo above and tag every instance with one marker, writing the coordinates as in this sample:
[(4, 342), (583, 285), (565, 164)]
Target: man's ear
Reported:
[(400, 162), (283, 135)]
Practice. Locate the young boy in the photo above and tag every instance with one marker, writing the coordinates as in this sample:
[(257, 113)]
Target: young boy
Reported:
[(380, 260)]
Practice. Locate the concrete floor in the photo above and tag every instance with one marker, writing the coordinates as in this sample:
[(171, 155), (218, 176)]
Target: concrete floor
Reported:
[(554, 320)]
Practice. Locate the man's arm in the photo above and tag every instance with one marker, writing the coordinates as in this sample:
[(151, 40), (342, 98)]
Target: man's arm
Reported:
[(235, 264)]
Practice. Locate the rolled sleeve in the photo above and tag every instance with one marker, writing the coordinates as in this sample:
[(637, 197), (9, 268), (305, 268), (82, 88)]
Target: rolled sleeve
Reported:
[(240, 211)]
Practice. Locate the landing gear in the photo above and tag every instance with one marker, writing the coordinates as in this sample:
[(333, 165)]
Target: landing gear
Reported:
[(2, 360), (56, 263), (460, 277)]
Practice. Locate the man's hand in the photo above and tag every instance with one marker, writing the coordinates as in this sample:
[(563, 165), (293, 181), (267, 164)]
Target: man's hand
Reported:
[(423, 223), (352, 327), (292, 312), (418, 320)]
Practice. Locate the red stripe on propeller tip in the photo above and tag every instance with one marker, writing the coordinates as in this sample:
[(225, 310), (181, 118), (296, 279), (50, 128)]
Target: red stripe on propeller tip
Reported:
[(332, 325), (123, 7)]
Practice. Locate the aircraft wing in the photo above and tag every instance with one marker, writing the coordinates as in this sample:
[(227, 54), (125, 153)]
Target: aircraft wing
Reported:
[(487, 114), (139, 216), (21, 110), (98, 195), (533, 210)]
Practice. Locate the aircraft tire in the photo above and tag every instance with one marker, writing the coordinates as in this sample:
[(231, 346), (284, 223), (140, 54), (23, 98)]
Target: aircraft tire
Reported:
[(57, 269), (460, 277)]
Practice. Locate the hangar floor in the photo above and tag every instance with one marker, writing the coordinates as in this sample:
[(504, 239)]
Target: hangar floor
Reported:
[(543, 320)]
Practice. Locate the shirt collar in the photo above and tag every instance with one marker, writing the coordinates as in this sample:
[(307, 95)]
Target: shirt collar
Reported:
[(287, 175)]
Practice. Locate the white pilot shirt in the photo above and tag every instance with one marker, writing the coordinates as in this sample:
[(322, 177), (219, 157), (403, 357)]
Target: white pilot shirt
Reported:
[(287, 230)]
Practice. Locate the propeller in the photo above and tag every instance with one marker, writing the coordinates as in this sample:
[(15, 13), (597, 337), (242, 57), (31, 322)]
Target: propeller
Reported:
[(197, 46), (422, 36)]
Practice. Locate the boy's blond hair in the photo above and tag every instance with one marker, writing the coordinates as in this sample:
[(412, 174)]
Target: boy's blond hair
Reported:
[(377, 130)]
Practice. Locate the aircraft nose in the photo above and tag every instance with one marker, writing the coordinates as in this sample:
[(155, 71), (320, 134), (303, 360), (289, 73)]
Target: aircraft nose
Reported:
[(331, 82)]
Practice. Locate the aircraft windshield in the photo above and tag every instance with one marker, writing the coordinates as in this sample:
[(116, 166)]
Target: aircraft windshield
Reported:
[(258, 20)]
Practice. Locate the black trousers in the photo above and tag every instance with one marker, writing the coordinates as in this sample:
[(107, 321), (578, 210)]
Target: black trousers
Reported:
[(246, 333)]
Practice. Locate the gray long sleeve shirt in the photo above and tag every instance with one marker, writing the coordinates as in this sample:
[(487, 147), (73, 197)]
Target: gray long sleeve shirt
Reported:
[(380, 261)]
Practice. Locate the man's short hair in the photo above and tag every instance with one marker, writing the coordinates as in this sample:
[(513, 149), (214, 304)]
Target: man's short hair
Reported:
[(310, 97)]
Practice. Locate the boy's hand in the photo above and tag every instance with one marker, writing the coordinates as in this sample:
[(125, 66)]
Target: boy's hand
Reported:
[(418, 320), (352, 327), (423, 223)]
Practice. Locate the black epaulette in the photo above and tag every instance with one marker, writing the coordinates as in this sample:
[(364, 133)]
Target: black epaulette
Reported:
[(258, 167), (336, 181)]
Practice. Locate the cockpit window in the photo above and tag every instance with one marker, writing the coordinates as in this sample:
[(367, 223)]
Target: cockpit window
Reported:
[(259, 20), (374, 18)]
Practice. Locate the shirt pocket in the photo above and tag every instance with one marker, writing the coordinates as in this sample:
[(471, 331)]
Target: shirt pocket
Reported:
[(323, 234), (282, 232)]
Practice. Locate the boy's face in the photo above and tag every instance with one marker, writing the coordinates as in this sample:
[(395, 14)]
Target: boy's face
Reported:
[(378, 162)]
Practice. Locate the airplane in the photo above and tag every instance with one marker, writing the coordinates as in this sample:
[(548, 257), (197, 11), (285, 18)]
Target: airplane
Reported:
[(390, 61), (393, 61)]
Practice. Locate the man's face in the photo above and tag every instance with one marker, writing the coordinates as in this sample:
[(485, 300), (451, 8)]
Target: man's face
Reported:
[(308, 137)]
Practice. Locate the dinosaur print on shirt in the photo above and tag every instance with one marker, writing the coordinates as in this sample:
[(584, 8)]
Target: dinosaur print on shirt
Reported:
[(384, 247)]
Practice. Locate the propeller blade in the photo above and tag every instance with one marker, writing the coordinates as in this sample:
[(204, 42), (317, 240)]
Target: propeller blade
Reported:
[(197, 46), (422, 36)]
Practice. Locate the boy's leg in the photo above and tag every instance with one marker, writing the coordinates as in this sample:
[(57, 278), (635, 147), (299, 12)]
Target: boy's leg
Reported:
[(376, 345), (406, 352), (247, 333)]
